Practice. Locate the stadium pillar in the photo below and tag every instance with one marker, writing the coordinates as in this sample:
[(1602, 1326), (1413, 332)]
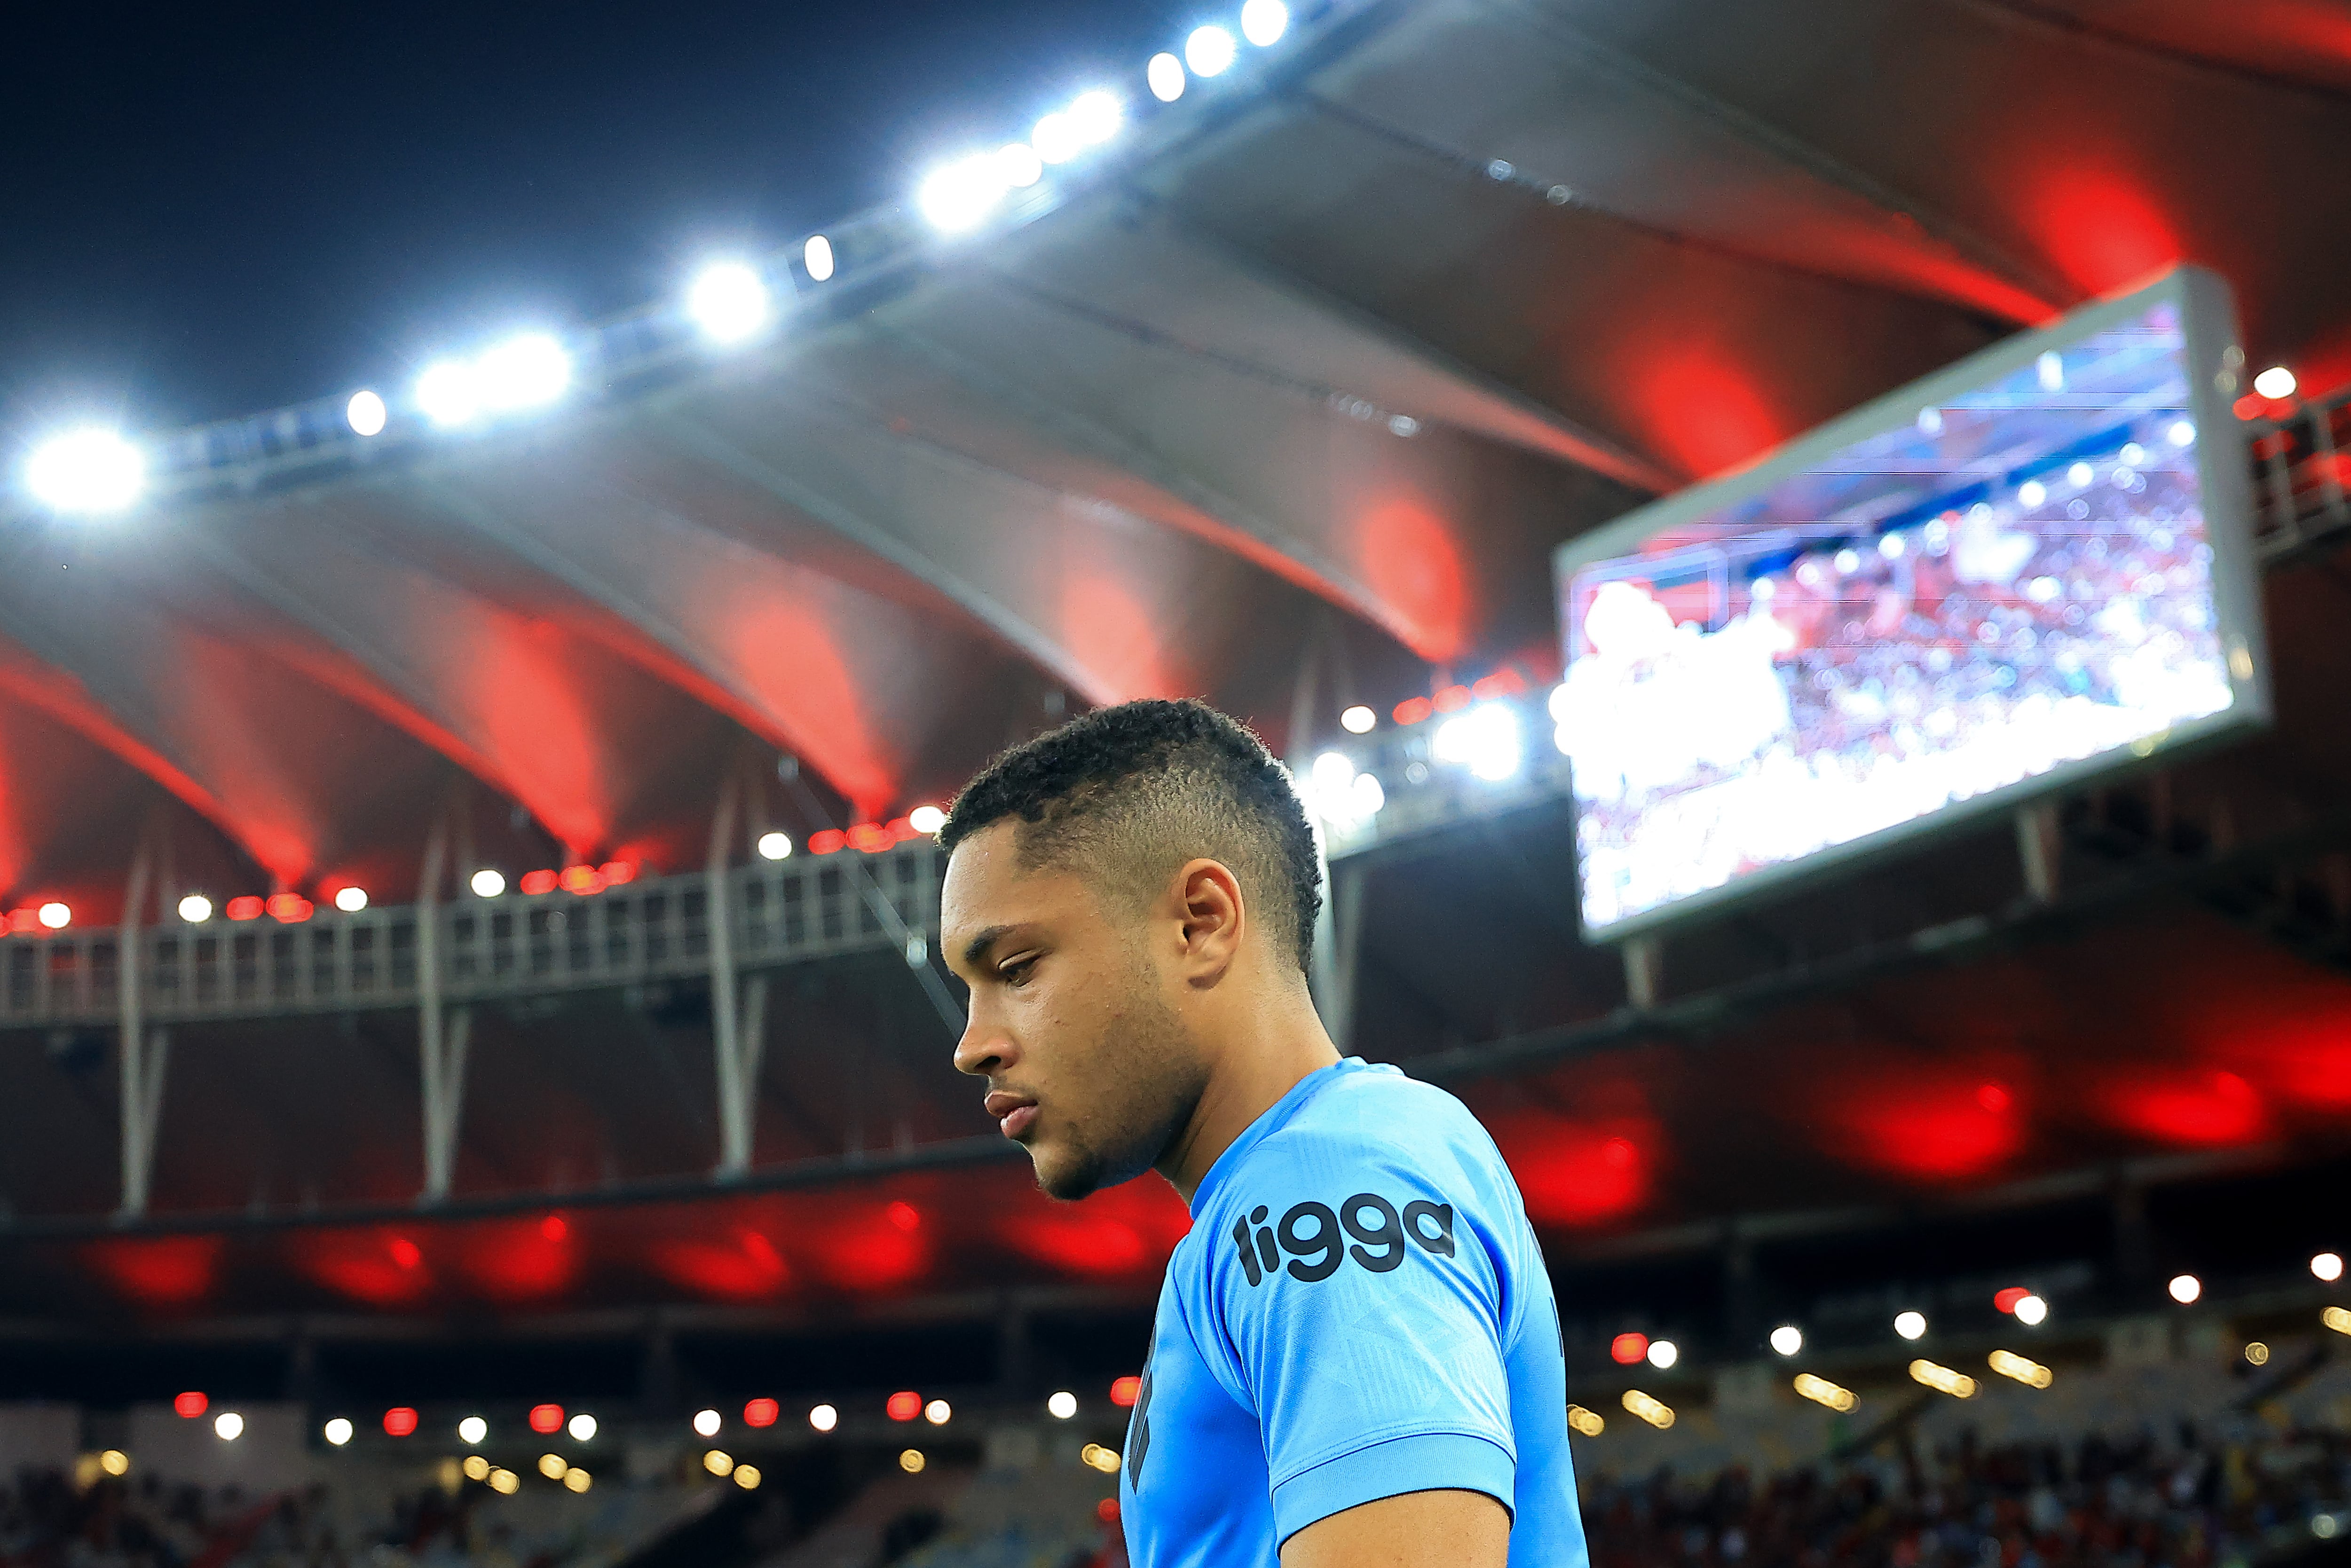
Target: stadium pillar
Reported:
[(2037, 850), (725, 999), (443, 1038), (144, 1051), (1645, 971)]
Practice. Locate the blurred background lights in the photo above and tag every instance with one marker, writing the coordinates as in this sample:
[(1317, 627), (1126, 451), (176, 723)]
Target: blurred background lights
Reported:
[(1910, 1325), (824, 1417), (1358, 720), (1018, 164), (1055, 139), (816, 255), (505, 1482), (927, 819), (196, 909), (727, 301), (489, 884), (2277, 381), (527, 371), (707, 1423), (1629, 1348), (189, 1405), (2185, 1289), (2257, 1353), (228, 1426), (1062, 1405), (2022, 1369), (1821, 1391), (446, 393), (1208, 51), (350, 900), (55, 915), (339, 1430), (1093, 1456), (1649, 1408), (1264, 21), (400, 1421), (1663, 1353), (747, 1476), (1485, 741), (1787, 1339), (582, 1427), (775, 846), (473, 1429), (1339, 795), (957, 196), (2181, 434), (910, 1461), (1096, 116), (552, 1466), (546, 1419), (2031, 1310), (761, 1411), (91, 470), (2337, 1318), (365, 413), (718, 1462), (577, 1481), (1166, 76), (938, 1412), (1943, 1380), (2327, 1266), (114, 1462)]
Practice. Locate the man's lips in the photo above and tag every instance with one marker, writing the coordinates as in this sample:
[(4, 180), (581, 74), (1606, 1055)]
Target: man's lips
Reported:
[(1016, 1114)]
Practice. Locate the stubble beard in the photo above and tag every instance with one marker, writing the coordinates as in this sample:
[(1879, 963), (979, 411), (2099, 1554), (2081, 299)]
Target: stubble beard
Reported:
[(1146, 1103)]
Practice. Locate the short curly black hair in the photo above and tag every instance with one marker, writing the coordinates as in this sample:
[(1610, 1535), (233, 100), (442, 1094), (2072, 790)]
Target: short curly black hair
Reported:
[(1133, 791)]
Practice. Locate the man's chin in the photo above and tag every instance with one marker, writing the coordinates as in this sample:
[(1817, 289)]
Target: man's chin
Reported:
[(1065, 1175)]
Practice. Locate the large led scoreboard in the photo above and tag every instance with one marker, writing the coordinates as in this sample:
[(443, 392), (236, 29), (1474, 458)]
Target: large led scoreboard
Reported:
[(1995, 584)]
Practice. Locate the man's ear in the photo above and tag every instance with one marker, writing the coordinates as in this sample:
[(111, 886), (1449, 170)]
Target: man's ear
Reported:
[(1215, 921)]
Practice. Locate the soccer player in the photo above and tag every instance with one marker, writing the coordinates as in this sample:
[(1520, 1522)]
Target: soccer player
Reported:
[(1357, 1359)]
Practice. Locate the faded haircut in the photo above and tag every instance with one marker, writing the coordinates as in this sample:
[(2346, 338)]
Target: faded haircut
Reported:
[(1124, 795)]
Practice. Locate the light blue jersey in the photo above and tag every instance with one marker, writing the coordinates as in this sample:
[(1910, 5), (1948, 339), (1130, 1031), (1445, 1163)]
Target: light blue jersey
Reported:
[(1360, 1311)]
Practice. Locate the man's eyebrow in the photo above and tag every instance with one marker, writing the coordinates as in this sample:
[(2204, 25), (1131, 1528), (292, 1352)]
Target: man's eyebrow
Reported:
[(974, 952)]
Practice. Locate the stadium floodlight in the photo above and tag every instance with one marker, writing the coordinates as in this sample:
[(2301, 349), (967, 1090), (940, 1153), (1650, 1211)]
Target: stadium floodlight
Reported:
[(1663, 1353), (487, 883), (1910, 1325), (1485, 739), (55, 916), (1264, 21), (707, 1423), (86, 471), (1056, 138), (1096, 115), (817, 256), (938, 1412), (1164, 75), (527, 371), (473, 1429), (196, 909), (2327, 1266), (582, 1427), (1358, 720), (1062, 1406), (2275, 383), (823, 1418), (1208, 51), (350, 900), (449, 394), (728, 301), (957, 196), (2031, 1310), (1787, 1339), (775, 846), (927, 819), (339, 1430), (228, 1426), (1020, 164), (2186, 1289), (365, 413)]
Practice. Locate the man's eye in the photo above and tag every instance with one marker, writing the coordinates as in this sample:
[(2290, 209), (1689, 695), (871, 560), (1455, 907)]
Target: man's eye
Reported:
[(1015, 973)]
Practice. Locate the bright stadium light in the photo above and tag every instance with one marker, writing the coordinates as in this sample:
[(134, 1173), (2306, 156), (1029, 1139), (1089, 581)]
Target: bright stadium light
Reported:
[(957, 196), (1166, 76), (350, 900), (1056, 138), (1663, 1353), (473, 1429), (2031, 1310), (196, 909), (1358, 720), (1787, 1339), (339, 1430), (1062, 1406), (488, 882), (1018, 164), (1096, 116), (527, 371), (365, 413), (1264, 21), (447, 393), (2276, 382), (228, 1426), (927, 819), (1910, 1325), (707, 1423), (823, 1418), (2327, 1266), (90, 470), (1208, 51), (1485, 741), (727, 301), (582, 1427), (817, 256), (55, 915), (775, 846), (2185, 1289)]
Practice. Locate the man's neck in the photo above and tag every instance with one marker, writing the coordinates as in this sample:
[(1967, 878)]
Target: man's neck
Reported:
[(1275, 1047)]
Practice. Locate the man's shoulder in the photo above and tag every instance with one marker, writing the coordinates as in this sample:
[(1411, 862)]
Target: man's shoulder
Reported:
[(1377, 1118)]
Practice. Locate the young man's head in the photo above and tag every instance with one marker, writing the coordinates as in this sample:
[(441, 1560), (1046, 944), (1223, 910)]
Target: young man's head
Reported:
[(1117, 891)]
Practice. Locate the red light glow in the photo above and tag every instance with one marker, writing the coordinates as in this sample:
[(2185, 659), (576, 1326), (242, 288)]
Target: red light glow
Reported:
[(1502, 683), (904, 1406), (1450, 699), (746, 1267), (828, 841), (869, 837), (190, 1406), (159, 1269), (617, 873), (1125, 1391), (555, 1227), (399, 1421), (1924, 1124), (1572, 1175), (905, 1216), (761, 1413), (582, 880), (547, 1418), (289, 908), (2006, 1299), (1116, 1234), (2191, 1106), (1628, 1349), (1107, 1511), (407, 1254), (538, 882), (1413, 710), (517, 1259), (250, 906)]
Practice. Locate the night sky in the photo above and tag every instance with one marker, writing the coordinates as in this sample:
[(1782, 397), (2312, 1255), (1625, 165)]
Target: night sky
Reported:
[(209, 210)]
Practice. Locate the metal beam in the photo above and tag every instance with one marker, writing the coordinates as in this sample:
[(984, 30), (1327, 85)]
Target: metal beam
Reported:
[(734, 1087), (143, 1057)]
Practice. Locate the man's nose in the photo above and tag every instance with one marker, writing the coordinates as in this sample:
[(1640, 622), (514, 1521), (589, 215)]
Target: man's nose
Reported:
[(985, 1049)]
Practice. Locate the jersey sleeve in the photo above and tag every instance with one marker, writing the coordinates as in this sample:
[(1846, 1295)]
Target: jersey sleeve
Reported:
[(1362, 1302)]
